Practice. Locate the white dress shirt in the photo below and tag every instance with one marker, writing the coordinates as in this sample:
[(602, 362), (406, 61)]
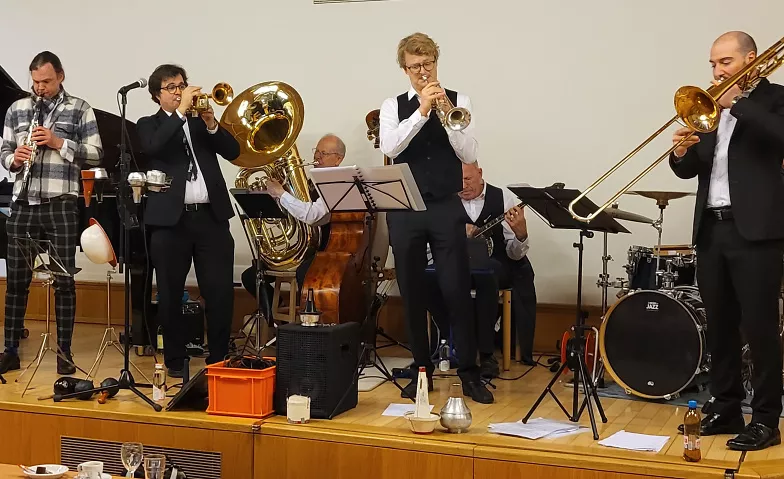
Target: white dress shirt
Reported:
[(719, 187), (313, 213), (515, 248), (395, 135), (196, 190)]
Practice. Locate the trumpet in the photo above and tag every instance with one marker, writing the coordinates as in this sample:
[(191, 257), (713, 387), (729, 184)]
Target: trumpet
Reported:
[(452, 117), (222, 94), (35, 122), (696, 109)]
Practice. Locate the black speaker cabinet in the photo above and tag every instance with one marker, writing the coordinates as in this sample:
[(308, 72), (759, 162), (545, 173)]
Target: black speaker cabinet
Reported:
[(319, 362)]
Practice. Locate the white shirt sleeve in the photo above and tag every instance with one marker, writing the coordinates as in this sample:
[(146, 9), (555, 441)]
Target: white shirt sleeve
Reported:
[(395, 135), (515, 248), (463, 142), (314, 214)]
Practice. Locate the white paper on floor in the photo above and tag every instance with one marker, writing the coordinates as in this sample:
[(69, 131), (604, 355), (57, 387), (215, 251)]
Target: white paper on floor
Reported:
[(635, 442)]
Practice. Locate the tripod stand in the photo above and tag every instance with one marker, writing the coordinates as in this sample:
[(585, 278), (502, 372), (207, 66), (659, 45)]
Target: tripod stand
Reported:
[(128, 219), (49, 268), (550, 204), (372, 190)]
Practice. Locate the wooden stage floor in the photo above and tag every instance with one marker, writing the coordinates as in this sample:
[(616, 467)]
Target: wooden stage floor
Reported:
[(360, 442)]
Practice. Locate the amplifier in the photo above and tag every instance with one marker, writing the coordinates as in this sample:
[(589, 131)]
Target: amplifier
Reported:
[(319, 362)]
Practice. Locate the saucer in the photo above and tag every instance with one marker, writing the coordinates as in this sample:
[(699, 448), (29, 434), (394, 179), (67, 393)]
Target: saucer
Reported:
[(55, 471)]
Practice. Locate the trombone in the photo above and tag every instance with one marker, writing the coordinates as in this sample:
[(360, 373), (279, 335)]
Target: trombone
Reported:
[(697, 109)]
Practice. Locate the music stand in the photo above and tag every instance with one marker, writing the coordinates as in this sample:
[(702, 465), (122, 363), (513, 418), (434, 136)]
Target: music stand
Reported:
[(257, 205), (551, 204), (49, 266), (372, 190)]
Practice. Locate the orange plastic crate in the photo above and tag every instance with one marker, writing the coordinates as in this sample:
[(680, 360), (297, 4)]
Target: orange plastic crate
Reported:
[(241, 392)]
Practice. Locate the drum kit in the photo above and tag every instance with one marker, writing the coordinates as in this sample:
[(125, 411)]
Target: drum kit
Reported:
[(652, 339)]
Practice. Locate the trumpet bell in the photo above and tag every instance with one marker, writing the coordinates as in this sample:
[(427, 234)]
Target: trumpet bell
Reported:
[(266, 120), (222, 94), (697, 109), (458, 118)]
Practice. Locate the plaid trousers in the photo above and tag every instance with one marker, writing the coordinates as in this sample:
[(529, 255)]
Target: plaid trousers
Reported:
[(58, 222)]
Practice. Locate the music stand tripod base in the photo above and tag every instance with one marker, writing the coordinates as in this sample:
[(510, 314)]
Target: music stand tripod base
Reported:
[(51, 266)]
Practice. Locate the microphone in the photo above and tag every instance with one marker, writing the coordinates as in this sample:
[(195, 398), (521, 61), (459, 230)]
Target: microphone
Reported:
[(140, 83)]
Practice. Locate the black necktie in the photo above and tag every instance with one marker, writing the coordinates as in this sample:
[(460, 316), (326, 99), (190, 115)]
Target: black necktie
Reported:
[(193, 172)]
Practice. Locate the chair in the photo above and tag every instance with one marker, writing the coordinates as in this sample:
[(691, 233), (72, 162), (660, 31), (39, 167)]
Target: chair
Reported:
[(505, 299), (280, 313)]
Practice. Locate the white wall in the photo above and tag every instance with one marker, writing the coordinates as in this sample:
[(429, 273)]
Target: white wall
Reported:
[(561, 89)]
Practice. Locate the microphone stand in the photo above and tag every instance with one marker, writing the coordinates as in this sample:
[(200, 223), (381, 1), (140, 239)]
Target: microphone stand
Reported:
[(128, 219)]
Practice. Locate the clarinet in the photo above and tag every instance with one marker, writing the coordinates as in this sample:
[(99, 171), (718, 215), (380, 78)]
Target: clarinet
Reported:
[(35, 122)]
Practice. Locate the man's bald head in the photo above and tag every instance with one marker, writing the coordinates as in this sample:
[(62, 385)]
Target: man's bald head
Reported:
[(330, 150), (730, 53), (743, 41), (473, 184)]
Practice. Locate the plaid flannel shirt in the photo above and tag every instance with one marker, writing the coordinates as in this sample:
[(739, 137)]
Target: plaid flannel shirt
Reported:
[(54, 172)]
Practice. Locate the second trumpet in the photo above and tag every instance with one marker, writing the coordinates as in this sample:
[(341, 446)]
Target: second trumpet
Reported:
[(452, 117), (222, 94)]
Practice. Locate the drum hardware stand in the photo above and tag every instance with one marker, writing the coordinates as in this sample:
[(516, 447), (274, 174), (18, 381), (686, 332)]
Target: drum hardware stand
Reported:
[(49, 268), (551, 204), (109, 335)]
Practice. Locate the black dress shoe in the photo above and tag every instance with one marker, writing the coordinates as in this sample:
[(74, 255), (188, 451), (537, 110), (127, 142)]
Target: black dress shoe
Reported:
[(175, 373), (488, 367), (478, 392), (756, 436), (64, 367), (9, 362), (715, 423)]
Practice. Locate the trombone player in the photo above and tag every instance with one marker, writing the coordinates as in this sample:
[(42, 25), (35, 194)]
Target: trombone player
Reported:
[(738, 232)]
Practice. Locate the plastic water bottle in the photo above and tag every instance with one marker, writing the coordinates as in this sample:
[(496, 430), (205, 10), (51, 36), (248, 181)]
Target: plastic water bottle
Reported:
[(159, 383), (691, 433), (443, 356)]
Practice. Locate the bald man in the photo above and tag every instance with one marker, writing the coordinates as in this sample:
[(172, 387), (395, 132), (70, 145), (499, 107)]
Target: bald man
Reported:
[(739, 233), (329, 151)]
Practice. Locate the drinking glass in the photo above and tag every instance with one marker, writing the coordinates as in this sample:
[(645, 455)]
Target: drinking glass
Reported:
[(154, 466), (131, 456)]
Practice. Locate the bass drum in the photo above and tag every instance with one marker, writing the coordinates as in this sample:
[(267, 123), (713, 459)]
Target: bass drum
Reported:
[(652, 342)]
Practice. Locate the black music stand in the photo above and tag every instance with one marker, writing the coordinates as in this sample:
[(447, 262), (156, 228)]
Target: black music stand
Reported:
[(551, 204), (372, 190), (42, 258), (257, 205)]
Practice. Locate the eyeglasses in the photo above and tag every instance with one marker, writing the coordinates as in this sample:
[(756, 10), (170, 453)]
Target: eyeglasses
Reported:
[(171, 88), (416, 67), (319, 154)]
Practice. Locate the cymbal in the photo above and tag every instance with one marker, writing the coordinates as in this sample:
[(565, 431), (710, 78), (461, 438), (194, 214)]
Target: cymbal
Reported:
[(628, 216), (662, 197)]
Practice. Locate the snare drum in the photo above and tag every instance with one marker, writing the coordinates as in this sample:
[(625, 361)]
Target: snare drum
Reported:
[(641, 265), (653, 342)]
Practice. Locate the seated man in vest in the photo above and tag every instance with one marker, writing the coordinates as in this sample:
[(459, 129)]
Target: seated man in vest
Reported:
[(329, 151), (508, 262)]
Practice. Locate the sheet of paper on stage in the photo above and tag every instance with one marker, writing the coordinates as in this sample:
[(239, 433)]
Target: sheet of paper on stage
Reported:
[(635, 442), (398, 410), (535, 428)]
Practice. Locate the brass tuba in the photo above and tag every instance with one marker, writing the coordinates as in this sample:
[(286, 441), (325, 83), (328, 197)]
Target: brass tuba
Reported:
[(266, 120)]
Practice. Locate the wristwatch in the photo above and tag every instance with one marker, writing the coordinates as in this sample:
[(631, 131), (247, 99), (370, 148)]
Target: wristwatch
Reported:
[(745, 94)]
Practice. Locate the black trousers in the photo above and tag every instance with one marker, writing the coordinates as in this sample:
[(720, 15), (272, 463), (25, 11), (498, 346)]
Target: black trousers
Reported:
[(442, 226), (518, 275), (739, 284), (58, 222), (199, 239)]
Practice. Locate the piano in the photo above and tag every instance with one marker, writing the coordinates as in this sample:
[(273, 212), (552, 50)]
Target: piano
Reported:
[(105, 210)]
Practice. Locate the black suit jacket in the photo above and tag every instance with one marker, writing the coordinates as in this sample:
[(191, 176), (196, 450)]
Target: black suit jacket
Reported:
[(755, 156), (161, 138)]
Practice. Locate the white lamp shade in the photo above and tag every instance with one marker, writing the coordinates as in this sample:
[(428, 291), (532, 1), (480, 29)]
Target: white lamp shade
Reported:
[(96, 244)]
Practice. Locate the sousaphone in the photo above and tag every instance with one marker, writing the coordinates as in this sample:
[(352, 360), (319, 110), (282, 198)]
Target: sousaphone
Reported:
[(266, 120)]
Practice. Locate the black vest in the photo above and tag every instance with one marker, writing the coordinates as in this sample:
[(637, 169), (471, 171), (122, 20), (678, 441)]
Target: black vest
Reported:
[(494, 207), (436, 168)]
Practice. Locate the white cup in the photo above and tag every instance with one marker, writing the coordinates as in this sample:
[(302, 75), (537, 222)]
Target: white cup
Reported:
[(90, 469)]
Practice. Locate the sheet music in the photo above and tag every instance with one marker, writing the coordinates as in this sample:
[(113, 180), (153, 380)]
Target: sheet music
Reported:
[(389, 187)]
